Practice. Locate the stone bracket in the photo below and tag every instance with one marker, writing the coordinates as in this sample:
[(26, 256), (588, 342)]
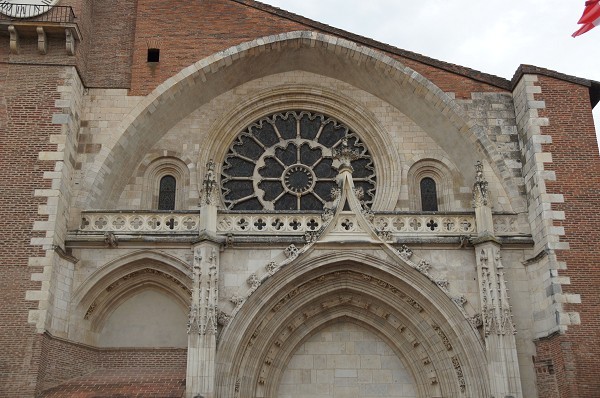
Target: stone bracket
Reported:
[(14, 39), (42, 40), (27, 30), (70, 41)]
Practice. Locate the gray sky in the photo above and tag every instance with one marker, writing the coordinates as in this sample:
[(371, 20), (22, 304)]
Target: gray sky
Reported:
[(491, 36)]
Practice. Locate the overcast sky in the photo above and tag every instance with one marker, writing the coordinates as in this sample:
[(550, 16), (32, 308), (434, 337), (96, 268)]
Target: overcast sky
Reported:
[(491, 36)]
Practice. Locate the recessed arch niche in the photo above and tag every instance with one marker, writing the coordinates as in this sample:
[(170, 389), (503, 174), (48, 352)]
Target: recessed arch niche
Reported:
[(104, 299)]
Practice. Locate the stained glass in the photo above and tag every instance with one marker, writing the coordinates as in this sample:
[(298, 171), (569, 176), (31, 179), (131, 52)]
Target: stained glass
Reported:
[(428, 195), (285, 162), (166, 195)]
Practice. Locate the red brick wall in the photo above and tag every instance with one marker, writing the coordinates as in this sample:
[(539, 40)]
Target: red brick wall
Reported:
[(450, 82), (111, 44), (63, 361), (576, 162), (26, 109), (550, 368), (195, 30)]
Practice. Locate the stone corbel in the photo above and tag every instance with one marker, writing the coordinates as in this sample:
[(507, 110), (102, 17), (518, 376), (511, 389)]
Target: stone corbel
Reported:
[(14, 39), (42, 40), (70, 41)]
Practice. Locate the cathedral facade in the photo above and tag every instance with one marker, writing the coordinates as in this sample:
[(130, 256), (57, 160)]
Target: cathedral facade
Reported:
[(224, 199)]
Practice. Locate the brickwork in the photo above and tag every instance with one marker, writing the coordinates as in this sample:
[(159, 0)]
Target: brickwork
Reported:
[(69, 367), (130, 383), (575, 163), (220, 24), (110, 48), (26, 125), (461, 86), (549, 366)]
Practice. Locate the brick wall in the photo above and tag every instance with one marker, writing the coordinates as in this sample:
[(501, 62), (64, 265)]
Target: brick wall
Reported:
[(64, 361), (576, 355), (193, 31), (111, 43), (26, 112)]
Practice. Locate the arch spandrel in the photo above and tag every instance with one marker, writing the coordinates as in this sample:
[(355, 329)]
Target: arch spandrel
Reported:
[(426, 329), (439, 115)]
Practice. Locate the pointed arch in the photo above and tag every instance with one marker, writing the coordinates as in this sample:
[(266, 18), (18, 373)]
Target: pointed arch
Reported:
[(418, 320)]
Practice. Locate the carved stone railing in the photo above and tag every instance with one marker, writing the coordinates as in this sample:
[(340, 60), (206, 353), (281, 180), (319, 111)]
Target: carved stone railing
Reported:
[(443, 224), (251, 224), (36, 13), (140, 222), (404, 224), (299, 224)]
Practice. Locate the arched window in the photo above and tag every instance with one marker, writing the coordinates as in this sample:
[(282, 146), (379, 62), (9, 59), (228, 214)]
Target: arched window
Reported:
[(166, 193), (428, 195)]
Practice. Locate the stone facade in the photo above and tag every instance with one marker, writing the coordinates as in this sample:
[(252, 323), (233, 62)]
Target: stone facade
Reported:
[(301, 250)]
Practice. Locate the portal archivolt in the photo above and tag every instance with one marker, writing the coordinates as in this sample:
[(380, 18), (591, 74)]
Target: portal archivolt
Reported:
[(434, 341)]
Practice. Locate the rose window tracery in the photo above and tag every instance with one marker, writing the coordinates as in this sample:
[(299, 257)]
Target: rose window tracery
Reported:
[(286, 161)]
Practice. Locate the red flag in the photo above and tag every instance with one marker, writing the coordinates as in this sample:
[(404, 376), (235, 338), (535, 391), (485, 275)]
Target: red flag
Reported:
[(591, 12), (590, 18)]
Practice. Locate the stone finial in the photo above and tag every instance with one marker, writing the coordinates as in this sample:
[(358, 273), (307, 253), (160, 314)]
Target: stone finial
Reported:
[(345, 154), (480, 188)]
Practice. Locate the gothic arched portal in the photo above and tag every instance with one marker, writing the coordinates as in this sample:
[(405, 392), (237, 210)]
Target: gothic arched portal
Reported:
[(423, 327)]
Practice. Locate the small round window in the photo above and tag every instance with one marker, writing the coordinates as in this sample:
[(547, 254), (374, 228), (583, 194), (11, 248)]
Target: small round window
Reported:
[(285, 162)]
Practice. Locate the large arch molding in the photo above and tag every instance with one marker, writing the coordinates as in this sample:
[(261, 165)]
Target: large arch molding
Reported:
[(426, 330), (437, 113)]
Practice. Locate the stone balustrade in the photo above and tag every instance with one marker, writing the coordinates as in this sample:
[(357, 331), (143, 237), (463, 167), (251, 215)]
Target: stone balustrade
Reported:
[(399, 224), (140, 222)]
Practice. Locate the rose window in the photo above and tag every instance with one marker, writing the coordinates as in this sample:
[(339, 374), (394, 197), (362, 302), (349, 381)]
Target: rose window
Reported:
[(285, 162)]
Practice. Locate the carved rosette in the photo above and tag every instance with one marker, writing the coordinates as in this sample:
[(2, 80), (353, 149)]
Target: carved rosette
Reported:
[(292, 252), (253, 281), (405, 252), (272, 267)]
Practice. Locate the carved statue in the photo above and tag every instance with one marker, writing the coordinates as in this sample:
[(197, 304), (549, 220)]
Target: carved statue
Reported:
[(480, 188)]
